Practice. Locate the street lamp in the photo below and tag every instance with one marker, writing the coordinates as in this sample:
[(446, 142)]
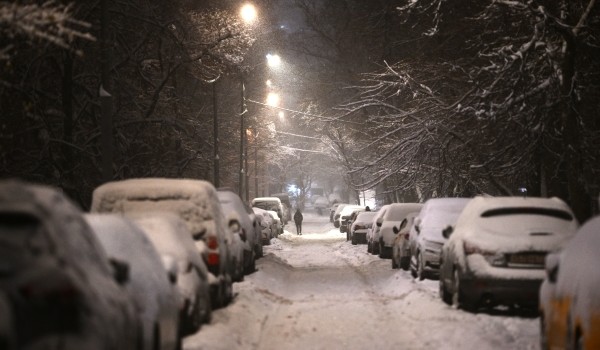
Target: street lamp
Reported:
[(248, 13)]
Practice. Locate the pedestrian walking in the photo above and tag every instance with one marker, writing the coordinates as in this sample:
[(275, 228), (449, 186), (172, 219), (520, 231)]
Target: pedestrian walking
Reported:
[(298, 220)]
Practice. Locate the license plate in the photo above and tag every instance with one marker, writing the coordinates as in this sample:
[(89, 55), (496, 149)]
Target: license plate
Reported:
[(528, 259)]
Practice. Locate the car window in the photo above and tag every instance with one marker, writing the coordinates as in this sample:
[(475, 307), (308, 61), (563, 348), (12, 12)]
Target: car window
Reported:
[(551, 212)]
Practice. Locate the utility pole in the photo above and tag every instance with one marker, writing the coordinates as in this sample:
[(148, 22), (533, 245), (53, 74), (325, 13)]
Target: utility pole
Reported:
[(106, 124), (242, 141), (216, 181)]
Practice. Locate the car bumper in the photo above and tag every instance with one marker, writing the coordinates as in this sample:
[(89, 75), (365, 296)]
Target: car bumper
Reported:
[(492, 291)]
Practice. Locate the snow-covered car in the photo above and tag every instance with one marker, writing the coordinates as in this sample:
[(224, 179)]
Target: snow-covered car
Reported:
[(401, 247), (277, 220), (425, 237), (345, 214), (373, 232), (194, 201), (148, 281), (284, 198), (270, 203), (570, 293), (332, 211), (62, 287), (239, 248), (358, 230), (171, 238), (495, 253), (393, 217), (268, 225), (251, 231), (336, 214)]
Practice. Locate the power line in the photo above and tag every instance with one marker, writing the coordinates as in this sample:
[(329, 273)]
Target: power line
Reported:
[(328, 119)]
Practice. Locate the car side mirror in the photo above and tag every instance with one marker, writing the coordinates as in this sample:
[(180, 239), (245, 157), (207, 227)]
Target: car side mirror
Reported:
[(417, 224), (120, 271), (170, 266), (552, 266), (396, 230), (447, 232), (379, 222)]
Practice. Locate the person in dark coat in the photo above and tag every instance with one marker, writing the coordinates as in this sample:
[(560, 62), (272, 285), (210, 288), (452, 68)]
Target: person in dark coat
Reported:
[(298, 220)]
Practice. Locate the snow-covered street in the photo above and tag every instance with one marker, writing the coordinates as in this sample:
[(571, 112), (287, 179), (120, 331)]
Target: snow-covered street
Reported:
[(317, 291)]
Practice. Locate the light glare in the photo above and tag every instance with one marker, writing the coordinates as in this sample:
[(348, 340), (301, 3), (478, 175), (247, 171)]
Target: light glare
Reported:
[(273, 99), (248, 13), (273, 60)]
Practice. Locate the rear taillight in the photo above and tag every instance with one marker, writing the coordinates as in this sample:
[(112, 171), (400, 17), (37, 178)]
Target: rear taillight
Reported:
[(212, 242), (213, 259)]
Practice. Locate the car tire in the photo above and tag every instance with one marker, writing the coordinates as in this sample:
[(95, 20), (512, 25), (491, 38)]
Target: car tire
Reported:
[(444, 294), (394, 265), (458, 299), (543, 337), (369, 248), (420, 267), (413, 266), (404, 263), (353, 239)]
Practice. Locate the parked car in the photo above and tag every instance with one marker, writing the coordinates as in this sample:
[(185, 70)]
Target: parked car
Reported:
[(239, 248), (287, 206), (332, 211), (358, 230), (270, 203), (251, 231), (345, 214), (495, 253), (373, 232), (401, 247), (194, 201), (268, 225), (336, 214), (277, 220), (394, 215), (425, 237), (350, 220), (61, 286), (569, 295), (171, 238), (148, 283)]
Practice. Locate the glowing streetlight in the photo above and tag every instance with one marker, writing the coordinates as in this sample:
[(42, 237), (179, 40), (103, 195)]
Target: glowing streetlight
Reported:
[(248, 13), (281, 115), (269, 83), (273, 99), (273, 60)]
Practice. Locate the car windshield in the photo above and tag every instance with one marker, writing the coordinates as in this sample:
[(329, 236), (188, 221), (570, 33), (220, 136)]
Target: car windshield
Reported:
[(267, 205), (551, 212)]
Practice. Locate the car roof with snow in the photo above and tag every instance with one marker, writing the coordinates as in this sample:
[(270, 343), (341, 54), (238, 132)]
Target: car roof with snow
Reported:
[(365, 217), (195, 201), (398, 211)]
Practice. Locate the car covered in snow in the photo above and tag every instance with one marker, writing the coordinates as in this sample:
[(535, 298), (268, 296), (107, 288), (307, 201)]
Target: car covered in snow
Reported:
[(171, 238), (277, 221), (148, 281), (570, 293), (495, 252), (332, 210), (401, 246), (250, 230), (268, 225), (425, 237), (345, 215), (194, 201), (360, 226), (336, 214), (62, 287), (394, 215), (373, 232), (270, 203)]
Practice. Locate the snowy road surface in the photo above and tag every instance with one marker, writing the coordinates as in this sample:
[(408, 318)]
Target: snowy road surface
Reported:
[(317, 291)]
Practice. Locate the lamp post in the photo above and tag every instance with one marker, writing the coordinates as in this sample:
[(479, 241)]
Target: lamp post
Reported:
[(242, 141)]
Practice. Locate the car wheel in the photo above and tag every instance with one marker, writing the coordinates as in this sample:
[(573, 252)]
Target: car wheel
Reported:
[(394, 265), (444, 294), (543, 337), (420, 267), (381, 255), (369, 248), (413, 266), (404, 263), (457, 297), (353, 239)]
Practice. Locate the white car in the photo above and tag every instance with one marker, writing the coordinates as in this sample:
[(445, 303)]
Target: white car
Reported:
[(194, 201), (172, 240), (345, 214), (336, 214), (570, 293), (148, 281), (267, 224), (270, 203), (277, 220), (373, 232), (495, 253), (62, 287), (425, 237), (360, 226), (394, 215)]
